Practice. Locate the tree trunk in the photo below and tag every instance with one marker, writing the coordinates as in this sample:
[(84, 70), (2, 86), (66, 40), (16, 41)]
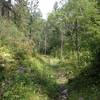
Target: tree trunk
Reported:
[(45, 44), (77, 41), (62, 40)]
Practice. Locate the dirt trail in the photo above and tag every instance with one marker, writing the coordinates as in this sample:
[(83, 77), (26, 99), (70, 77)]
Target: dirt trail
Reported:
[(60, 73), (61, 80)]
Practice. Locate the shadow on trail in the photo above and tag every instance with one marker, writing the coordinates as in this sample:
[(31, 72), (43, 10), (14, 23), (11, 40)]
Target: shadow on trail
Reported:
[(88, 77), (86, 84)]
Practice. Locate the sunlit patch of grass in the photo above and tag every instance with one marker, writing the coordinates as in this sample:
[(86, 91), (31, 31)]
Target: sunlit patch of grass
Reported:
[(41, 67), (5, 53), (36, 96)]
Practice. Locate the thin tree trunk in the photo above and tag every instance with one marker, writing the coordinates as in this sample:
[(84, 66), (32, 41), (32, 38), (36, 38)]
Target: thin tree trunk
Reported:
[(77, 41), (62, 40), (30, 30), (45, 44)]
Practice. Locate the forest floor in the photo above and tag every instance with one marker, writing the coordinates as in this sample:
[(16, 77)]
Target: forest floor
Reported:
[(49, 78), (84, 85), (61, 79)]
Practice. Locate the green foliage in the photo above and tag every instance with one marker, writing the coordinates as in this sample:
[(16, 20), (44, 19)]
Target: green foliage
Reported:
[(22, 16), (26, 75), (20, 71), (71, 32)]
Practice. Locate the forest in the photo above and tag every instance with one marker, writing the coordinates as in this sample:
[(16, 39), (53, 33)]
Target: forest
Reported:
[(57, 58)]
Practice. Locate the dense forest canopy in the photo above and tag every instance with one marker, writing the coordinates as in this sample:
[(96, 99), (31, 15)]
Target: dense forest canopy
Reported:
[(57, 58)]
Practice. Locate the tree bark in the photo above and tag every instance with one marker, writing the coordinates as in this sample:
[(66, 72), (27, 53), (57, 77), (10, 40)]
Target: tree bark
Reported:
[(77, 40), (62, 41), (45, 44)]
